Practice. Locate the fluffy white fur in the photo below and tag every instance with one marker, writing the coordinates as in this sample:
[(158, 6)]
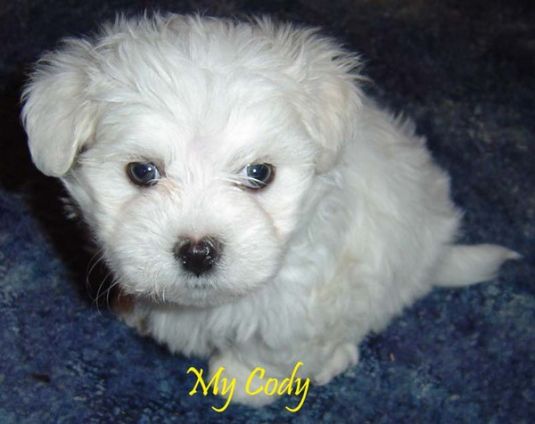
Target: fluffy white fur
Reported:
[(356, 225)]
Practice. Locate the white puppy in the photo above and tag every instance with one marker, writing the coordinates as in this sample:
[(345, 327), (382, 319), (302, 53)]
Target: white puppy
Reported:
[(255, 204)]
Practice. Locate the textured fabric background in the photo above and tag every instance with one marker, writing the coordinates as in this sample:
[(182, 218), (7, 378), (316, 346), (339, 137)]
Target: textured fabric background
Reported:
[(464, 70)]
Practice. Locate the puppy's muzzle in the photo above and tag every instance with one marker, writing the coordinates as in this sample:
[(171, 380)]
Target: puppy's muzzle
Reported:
[(197, 256)]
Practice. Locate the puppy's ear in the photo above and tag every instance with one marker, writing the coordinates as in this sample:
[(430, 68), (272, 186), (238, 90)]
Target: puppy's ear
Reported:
[(56, 113), (330, 77), (330, 117)]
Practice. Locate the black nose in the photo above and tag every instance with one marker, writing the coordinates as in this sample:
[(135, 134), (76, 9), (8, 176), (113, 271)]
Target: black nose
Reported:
[(197, 257)]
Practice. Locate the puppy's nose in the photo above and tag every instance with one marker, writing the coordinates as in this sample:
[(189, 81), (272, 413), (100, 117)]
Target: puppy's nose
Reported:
[(197, 257)]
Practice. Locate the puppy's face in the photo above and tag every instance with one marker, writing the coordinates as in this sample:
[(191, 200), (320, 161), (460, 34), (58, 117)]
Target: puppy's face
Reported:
[(194, 204), (191, 160)]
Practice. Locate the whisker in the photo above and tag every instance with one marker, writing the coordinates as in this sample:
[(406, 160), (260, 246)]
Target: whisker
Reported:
[(99, 290), (93, 262), (114, 283)]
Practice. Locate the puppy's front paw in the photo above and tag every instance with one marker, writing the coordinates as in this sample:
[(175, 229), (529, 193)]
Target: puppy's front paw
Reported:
[(344, 356), (244, 391)]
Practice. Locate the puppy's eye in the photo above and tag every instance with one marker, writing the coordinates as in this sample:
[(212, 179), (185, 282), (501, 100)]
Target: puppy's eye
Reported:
[(143, 173), (257, 175)]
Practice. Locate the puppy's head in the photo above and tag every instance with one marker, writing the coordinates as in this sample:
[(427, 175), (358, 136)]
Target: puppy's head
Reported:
[(190, 145)]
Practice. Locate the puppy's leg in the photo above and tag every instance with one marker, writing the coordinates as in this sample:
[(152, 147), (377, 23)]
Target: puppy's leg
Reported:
[(235, 367), (465, 265), (320, 364), (343, 356)]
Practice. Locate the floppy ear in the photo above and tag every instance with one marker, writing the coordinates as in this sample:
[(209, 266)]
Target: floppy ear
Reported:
[(330, 98), (56, 113), (331, 113)]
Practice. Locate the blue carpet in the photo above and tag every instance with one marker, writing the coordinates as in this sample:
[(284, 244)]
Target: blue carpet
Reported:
[(464, 70)]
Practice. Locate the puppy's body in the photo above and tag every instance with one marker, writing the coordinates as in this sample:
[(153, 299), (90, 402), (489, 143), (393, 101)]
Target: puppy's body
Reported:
[(356, 224)]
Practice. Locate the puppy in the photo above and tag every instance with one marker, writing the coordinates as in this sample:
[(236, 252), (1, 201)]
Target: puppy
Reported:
[(258, 208)]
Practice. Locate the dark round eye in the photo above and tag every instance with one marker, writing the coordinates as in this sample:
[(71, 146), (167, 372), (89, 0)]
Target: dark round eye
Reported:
[(257, 175), (143, 173)]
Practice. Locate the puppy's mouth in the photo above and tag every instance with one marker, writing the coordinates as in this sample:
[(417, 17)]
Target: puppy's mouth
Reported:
[(205, 294), (200, 284)]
